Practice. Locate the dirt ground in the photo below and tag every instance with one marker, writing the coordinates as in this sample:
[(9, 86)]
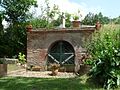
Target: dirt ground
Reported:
[(39, 74)]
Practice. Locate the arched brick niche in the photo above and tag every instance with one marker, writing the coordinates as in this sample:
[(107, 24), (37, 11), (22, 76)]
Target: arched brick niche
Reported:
[(39, 42)]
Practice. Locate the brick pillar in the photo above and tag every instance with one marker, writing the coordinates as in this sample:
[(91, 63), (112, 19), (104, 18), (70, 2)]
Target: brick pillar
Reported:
[(3, 69), (37, 57), (79, 52)]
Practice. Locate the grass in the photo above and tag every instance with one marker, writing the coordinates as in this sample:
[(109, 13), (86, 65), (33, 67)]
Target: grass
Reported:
[(22, 83)]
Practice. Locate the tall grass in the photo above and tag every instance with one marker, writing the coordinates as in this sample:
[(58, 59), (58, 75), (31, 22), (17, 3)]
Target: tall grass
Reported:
[(104, 49)]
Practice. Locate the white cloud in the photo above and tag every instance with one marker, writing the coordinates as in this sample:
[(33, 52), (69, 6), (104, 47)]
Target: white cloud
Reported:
[(64, 6), (70, 7)]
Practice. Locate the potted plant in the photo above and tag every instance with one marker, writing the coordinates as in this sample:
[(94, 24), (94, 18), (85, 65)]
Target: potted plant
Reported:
[(76, 20), (29, 28), (55, 67), (98, 25), (3, 67)]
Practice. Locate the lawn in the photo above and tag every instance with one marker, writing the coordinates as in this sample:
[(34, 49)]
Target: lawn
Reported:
[(22, 83), (26, 83)]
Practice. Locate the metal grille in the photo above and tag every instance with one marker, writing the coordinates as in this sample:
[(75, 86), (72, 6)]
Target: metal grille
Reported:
[(62, 53)]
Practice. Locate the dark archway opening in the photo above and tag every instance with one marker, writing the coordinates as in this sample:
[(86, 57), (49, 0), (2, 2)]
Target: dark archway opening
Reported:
[(61, 52)]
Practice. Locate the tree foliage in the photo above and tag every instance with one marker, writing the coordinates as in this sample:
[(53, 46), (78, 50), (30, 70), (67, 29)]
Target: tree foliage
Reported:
[(1, 19), (116, 20), (91, 19), (50, 17), (59, 20), (67, 18), (16, 10), (13, 39)]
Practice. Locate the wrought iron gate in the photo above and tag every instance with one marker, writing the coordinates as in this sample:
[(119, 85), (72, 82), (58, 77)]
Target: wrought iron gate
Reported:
[(61, 52)]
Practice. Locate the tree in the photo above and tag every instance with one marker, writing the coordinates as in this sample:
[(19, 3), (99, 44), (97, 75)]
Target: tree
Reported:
[(48, 14), (38, 23), (116, 20), (59, 20), (16, 11), (68, 17), (47, 17), (102, 19), (91, 19), (50, 17), (1, 19), (106, 20)]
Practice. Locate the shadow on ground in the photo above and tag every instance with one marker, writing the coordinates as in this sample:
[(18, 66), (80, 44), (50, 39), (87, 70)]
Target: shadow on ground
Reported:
[(22, 83)]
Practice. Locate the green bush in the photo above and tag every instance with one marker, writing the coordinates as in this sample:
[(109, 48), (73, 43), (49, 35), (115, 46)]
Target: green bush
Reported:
[(1, 62), (104, 49), (21, 58), (13, 40)]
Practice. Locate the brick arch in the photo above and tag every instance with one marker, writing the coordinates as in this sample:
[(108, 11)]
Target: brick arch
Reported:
[(61, 52), (39, 42), (53, 42), (50, 43)]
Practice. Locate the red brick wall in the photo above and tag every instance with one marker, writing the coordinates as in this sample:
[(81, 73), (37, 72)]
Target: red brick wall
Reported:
[(38, 43)]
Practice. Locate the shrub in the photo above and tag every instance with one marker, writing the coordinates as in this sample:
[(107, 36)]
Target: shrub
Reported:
[(104, 49), (1, 62), (21, 58)]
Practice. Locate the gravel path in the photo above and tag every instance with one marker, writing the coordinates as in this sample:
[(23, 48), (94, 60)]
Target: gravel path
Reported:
[(40, 74)]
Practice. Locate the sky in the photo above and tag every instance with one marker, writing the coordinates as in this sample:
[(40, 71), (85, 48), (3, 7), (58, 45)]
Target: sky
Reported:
[(110, 8)]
